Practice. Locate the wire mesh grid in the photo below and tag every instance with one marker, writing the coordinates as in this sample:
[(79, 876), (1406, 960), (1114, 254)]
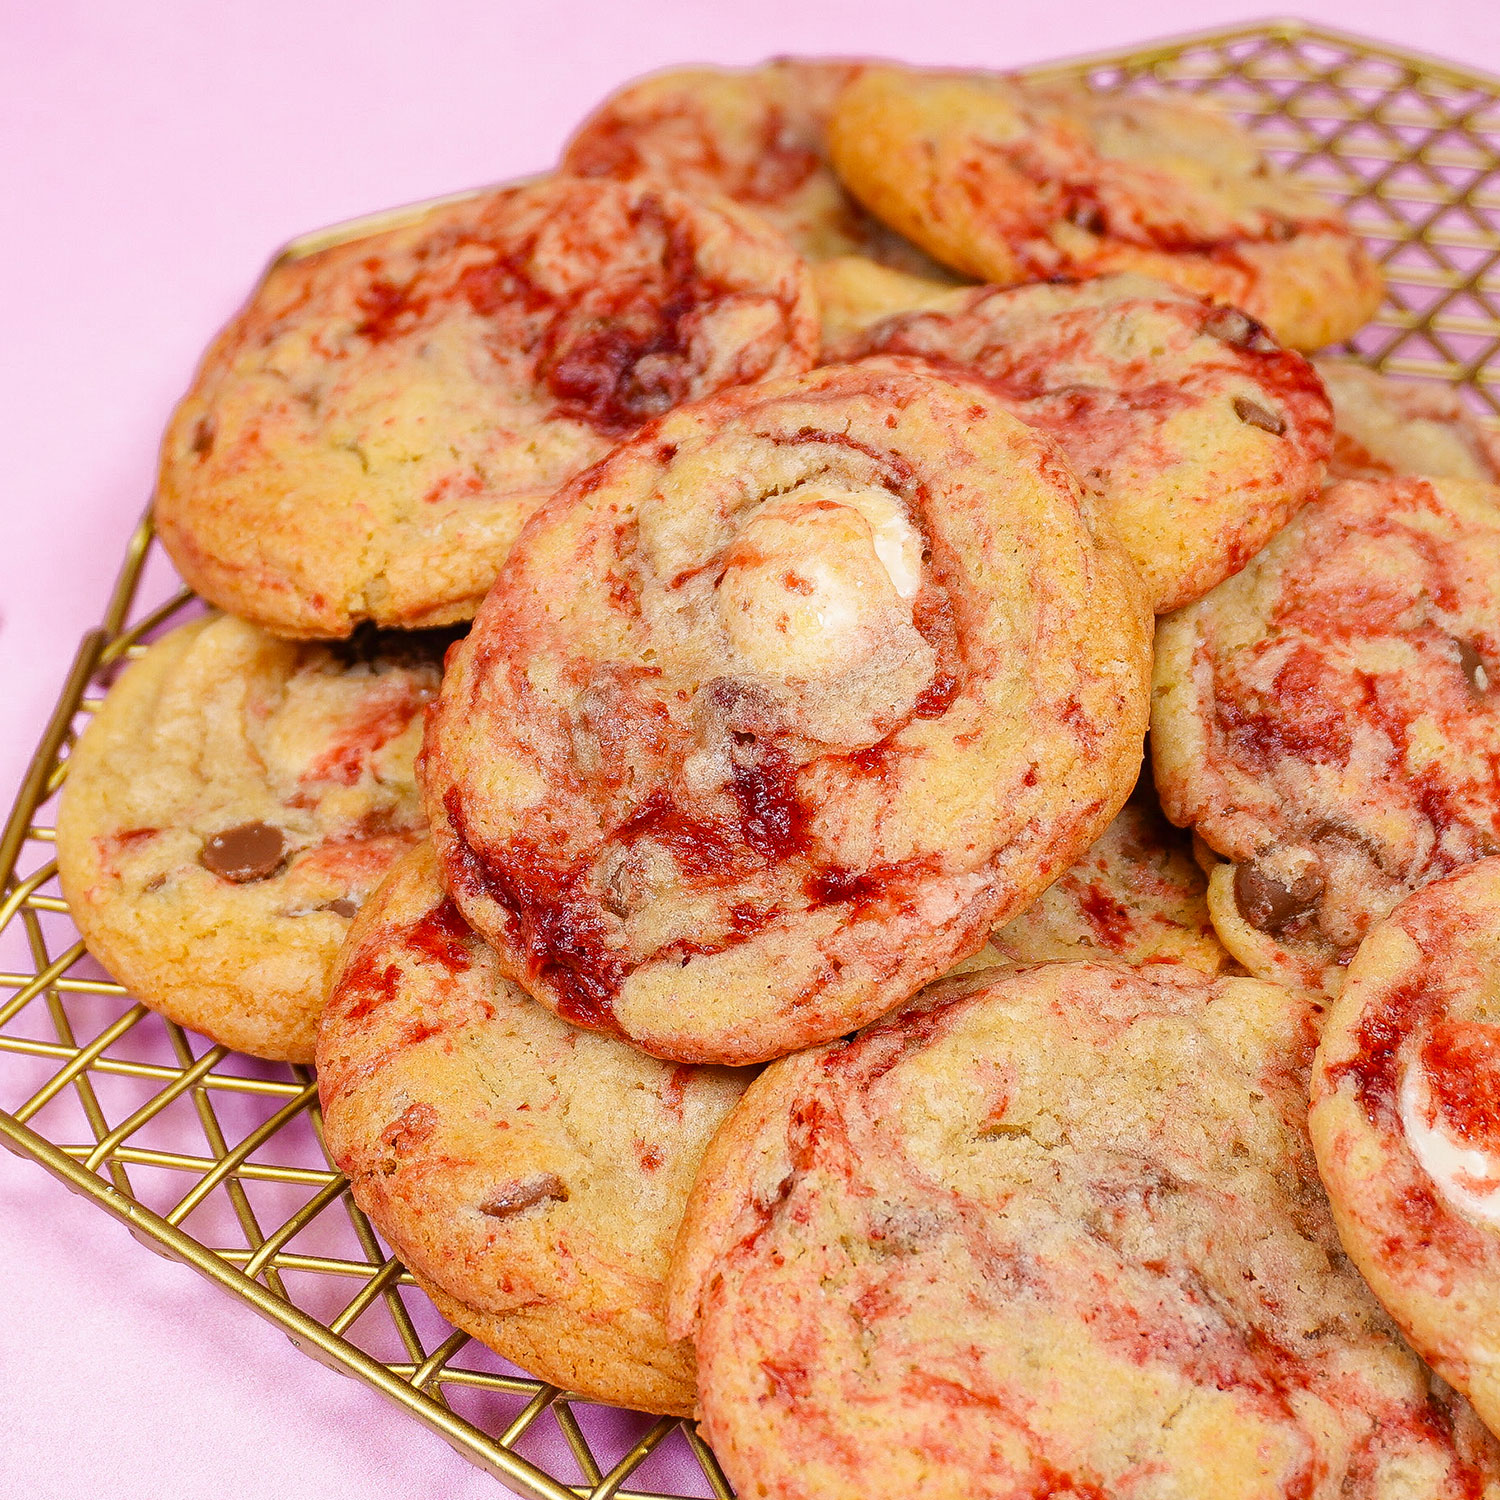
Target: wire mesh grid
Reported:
[(216, 1159)]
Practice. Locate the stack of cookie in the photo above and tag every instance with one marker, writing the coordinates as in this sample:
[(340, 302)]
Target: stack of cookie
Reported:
[(812, 453)]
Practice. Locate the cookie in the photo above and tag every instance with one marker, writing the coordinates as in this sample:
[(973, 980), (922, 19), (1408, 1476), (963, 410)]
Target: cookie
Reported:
[(855, 292), (1050, 1233), (1009, 181), (530, 1174), (1326, 720), (366, 438), (757, 135), (1384, 425), (776, 712), (1136, 897), (228, 809), (1200, 434), (1405, 1126)]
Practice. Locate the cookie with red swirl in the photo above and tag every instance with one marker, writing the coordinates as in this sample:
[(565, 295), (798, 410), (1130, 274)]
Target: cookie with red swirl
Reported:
[(1327, 719), (230, 806), (1054, 1233), (776, 712), (368, 435), (1201, 435), (1406, 1125), (532, 1175), (1009, 181)]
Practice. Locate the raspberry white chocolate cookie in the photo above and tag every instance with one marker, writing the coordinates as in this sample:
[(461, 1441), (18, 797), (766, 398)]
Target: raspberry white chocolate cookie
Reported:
[(365, 439), (1406, 1124), (1326, 719), (1054, 1233), (1010, 181), (855, 292), (776, 712), (1385, 425), (1201, 435), (1136, 897), (757, 135), (532, 1175), (229, 808)]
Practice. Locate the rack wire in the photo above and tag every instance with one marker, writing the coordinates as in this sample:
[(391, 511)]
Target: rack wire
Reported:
[(216, 1160)]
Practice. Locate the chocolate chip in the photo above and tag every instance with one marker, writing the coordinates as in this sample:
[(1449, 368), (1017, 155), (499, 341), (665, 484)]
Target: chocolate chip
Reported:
[(203, 436), (252, 851), (1471, 664), (1267, 903), (1253, 413), (1087, 216), (1231, 326), (343, 907), (517, 1197)]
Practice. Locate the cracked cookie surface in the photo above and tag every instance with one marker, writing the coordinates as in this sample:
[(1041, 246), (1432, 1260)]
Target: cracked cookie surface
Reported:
[(532, 1175), (775, 713), (228, 809), (1011, 181), (1327, 721), (1051, 1233), (368, 435), (1200, 434), (1406, 1129)]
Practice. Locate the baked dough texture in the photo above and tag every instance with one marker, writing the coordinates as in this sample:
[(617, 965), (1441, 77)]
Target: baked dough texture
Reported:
[(1201, 436), (1326, 720), (1385, 425), (1051, 1233), (532, 1175), (757, 135), (368, 435), (228, 809), (776, 712), (1406, 1125), (1011, 181)]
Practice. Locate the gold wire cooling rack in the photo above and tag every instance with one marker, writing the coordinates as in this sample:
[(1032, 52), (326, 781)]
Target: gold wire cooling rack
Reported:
[(215, 1159)]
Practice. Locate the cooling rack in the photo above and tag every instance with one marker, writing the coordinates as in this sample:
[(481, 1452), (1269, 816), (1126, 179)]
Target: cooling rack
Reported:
[(216, 1160)]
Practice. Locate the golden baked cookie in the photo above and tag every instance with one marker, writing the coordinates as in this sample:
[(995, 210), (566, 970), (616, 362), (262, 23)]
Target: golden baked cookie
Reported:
[(1326, 719), (530, 1174), (229, 808), (1136, 897), (367, 436), (1385, 425), (1200, 434), (1010, 181), (1054, 1233), (776, 712), (855, 291), (757, 135), (1406, 1124)]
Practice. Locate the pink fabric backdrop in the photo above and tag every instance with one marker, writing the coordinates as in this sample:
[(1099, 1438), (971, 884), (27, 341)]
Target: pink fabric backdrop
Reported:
[(154, 155)]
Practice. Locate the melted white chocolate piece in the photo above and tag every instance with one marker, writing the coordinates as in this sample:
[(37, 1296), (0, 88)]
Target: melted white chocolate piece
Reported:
[(816, 578), (1468, 1178)]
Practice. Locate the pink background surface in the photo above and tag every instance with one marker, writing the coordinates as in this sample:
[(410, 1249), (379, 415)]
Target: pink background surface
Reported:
[(154, 156)]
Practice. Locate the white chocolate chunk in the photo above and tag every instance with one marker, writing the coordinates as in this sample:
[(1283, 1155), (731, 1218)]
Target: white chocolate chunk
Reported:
[(1469, 1179)]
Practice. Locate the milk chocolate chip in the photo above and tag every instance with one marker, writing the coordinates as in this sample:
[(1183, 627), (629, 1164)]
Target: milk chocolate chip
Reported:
[(1267, 903), (1471, 664), (252, 851), (1232, 326), (343, 907), (517, 1197), (1255, 415)]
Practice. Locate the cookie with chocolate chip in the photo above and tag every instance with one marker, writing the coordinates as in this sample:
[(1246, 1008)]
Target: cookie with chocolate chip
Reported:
[(228, 809), (532, 1175), (1012, 181), (778, 711), (1406, 1125), (1327, 722), (1054, 1233), (367, 436), (1386, 425), (1200, 434)]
